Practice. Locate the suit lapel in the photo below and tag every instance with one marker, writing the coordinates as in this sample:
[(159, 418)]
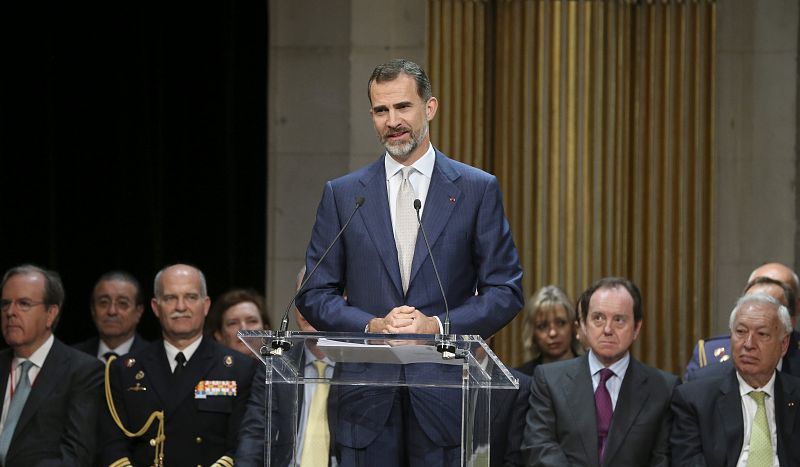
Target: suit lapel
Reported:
[(786, 400), (438, 207), (379, 228), (731, 403), (632, 396), (54, 372), (581, 397), (5, 368)]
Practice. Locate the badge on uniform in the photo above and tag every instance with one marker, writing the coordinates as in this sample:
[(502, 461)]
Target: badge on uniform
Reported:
[(214, 388), (129, 362), (228, 361)]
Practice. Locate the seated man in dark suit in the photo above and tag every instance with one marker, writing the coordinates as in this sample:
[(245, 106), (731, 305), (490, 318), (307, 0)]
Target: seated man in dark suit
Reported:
[(313, 446), (117, 305), (52, 392), (201, 386), (604, 408), (713, 350), (747, 416), (508, 410)]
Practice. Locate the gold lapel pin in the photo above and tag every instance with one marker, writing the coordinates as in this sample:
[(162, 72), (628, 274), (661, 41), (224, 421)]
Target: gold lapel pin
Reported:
[(137, 388), (228, 360), (140, 375), (129, 362)]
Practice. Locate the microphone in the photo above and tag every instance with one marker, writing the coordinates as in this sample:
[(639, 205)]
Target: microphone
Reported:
[(281, 344), (445, 345)]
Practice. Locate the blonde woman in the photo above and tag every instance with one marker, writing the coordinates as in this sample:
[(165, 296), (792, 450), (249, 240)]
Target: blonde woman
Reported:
[(550, 329)]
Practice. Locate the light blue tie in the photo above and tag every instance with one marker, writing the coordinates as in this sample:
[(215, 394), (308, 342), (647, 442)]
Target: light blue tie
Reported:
[(15, 408)]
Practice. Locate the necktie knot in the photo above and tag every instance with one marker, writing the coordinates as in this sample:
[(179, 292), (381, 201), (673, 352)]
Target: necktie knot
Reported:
[(406, 172), (320, 366), (180, 359), (24, 368), (605, 375), (758, 396), (108, 355)]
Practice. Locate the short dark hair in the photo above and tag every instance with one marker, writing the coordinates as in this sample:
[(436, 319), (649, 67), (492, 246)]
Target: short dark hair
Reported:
[(390, 70), (53, 287), (121, 276), (612, 283), (231, 298), (788, 292)]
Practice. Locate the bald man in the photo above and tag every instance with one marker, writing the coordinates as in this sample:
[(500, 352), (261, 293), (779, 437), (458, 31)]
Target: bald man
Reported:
[(201, 386), (770, 279)]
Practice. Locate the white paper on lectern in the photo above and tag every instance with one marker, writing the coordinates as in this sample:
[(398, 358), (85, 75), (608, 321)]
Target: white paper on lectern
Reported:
[(400, 354)]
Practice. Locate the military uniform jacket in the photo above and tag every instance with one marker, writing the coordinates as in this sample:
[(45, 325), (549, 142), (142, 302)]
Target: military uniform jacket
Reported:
[(201, 421)]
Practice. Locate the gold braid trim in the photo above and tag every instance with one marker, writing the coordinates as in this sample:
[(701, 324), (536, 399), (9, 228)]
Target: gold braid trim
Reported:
[(701, 353), (224, 461), (123, 462), (157, 442)]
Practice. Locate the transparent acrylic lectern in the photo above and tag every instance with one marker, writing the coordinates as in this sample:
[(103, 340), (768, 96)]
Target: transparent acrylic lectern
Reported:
[(368, 369)]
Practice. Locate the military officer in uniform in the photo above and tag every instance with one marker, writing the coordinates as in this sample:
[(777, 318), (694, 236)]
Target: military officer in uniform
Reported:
[(201, 386)]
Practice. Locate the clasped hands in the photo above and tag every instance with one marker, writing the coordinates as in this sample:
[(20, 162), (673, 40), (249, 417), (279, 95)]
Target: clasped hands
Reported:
[(404, 320)]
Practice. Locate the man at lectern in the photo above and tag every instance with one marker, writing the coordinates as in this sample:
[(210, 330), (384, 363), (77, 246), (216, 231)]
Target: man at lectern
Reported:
[(382, 260)]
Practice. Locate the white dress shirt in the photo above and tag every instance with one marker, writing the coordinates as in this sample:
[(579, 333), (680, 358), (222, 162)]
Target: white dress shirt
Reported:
[(37, 358), (120, 350), (172, 351), (749, 407)]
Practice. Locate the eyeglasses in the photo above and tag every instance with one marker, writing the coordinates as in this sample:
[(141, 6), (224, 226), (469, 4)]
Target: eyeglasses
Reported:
[(23, 304)]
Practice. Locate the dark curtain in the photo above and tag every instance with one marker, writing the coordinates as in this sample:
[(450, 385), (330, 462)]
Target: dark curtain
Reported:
[(133, 136)]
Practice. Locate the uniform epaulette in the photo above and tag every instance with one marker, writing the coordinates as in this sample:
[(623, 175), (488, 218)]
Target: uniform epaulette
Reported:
[(122, 462), (224, 461)]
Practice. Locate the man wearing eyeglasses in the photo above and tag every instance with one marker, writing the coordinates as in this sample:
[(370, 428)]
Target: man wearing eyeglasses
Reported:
[(605, 408), (52, 392), (201, 386), (117, 305)]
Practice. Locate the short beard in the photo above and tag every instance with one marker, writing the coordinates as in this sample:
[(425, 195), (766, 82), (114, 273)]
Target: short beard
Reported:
[(402, 151)]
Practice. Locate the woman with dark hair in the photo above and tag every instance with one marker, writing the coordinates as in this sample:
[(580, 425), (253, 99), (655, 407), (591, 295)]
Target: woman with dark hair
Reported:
[(550, 330), (235, 310)]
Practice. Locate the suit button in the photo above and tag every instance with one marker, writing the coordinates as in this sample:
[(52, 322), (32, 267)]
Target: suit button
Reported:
[(198, 440)]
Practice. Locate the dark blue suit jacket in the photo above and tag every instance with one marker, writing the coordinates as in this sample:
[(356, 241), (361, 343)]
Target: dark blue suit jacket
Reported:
[(473, 248)]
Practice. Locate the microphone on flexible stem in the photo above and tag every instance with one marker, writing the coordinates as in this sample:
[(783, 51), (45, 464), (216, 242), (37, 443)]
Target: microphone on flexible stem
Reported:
[(445, 345), (281, 344)]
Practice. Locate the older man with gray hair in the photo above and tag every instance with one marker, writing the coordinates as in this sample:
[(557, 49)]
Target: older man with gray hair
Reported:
[(745, 417)]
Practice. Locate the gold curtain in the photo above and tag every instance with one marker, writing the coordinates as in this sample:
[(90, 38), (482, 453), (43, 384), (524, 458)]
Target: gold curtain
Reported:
[(597, 117)]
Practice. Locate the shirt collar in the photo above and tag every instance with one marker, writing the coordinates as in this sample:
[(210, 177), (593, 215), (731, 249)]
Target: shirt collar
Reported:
[(39, 355), (121, 349), (311, 358), (423, 165), (619, 367), (188, 351), (745, 388)]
